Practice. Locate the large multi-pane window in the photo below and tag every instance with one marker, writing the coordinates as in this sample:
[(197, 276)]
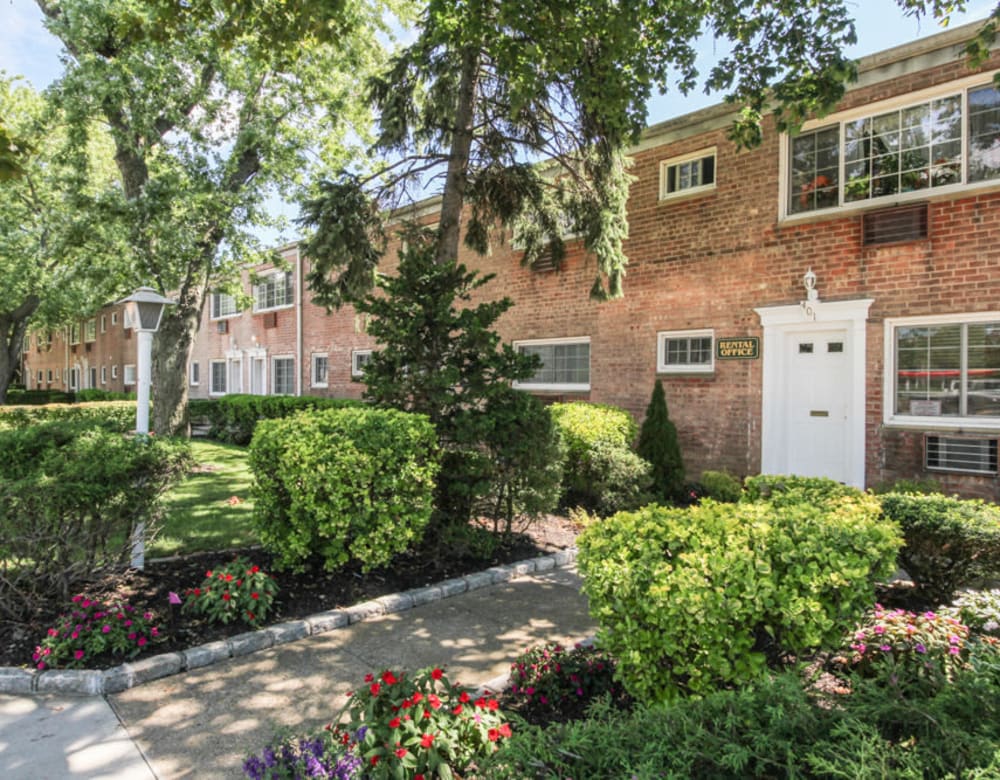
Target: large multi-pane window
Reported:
[(685, 352), (938, 142), (946, 369), (273, 292), (565, 364), (90, 330), (217, 377), (223, 305), (283, 373)]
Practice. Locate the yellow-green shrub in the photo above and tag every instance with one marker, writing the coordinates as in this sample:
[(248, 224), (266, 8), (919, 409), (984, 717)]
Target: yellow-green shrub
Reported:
[(343, 484), (689, 600), (110, 415)]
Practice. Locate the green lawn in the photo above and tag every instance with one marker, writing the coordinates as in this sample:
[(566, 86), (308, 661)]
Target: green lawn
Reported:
[(201, 512)]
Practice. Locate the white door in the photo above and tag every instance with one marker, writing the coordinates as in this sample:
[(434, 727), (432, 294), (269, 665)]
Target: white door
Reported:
[(236, 376), (818, 403), (257, 382)]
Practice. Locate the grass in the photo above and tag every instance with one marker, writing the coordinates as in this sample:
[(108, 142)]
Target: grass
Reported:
[(210, 509)]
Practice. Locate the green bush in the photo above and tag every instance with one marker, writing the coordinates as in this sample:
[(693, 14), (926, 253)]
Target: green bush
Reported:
[(979, 610), (343, 484), (950, 543), (594, 435), (616, 480), (111, 415), (659, 447), (786, 490), (17, 397), (93, 394), (721, 486), (69, 499), (692, 599), (234, 417), (775, 729)]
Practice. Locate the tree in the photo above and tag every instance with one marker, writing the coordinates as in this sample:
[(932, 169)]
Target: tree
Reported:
[(54, 247), (212, 106), (658, 445), (521, 110)]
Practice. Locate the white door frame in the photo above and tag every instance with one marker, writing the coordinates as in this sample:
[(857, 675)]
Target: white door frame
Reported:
[(778, 322)]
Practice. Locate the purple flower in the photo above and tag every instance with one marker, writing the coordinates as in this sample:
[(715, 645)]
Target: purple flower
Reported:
[(105, 628), (173, 598), (920, 648)]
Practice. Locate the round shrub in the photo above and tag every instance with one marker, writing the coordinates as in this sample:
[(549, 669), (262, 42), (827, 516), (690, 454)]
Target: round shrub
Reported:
[(617, 480), (721, 486), (692, 599), (343, 484), (950, 543), (784, 490)]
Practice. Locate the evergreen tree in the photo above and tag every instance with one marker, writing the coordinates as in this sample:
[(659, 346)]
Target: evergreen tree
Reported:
[(658, 445)]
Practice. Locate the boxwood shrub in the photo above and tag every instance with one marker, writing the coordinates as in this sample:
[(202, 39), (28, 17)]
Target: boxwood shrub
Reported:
[(689, 600), (234, 417), (110, 415), (950, 543), (783, 489), (601, 473), (343, 484)]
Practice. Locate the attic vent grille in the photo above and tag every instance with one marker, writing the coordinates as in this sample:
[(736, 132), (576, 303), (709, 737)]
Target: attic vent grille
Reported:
[(974, 456), (895, 225)]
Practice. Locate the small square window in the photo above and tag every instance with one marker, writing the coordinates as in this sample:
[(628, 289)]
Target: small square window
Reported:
[(359, 359), (130, 375), (320, 366), (687, 175), (114, 372), (685, 352)]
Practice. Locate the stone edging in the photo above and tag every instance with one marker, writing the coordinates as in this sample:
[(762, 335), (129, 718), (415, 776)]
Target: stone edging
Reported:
[(97, 682)]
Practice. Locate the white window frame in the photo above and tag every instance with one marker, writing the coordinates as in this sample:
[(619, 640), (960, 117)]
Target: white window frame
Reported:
[(211, 377), (74, 379), (312, 374), (92, 377), (129, 369), (194, 374), (358, 371), (558, 387), (104, 375), (215, 307), (74, 334), (959, 86), (662, 367), (114, 371), (41, 377), (104, 323), (274, 374), (90, 330), (889, 416), (270, 278), (114, 318), (676, 162), (48, 377)]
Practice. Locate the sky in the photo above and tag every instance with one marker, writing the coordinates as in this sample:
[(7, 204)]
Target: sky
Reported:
[(27, 50)]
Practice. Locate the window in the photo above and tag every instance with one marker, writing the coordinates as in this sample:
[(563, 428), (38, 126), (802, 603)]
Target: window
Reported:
[(193, 375), (129, 378), (90, 330), (114, 318), (687, 175), (359, 359), (104, 323), (48, 376), (41, 377), (74, 333), (114, 372), (93, 377), (74, 379), (974, 456), (223, 305), (945, 371), (565, 364), (685, 352), (319, 370), (104, 375), (217, 369), (273, 292), (902, 150), (283, 373), (235, 375)]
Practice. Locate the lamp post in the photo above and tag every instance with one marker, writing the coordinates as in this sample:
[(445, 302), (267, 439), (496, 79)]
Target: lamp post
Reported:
[(144, 309)]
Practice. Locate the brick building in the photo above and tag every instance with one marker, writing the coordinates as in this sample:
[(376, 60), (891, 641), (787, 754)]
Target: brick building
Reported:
[(825, 304), (98, 352)]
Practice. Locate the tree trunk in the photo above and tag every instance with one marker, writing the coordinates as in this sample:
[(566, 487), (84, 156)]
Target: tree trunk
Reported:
[(457, 176), (13, 326), (171, 351)]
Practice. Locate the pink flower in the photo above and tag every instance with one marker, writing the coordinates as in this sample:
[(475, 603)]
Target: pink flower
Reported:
[(141, 641), (173, 598), (78, 655), (105, 628), (954, 650)]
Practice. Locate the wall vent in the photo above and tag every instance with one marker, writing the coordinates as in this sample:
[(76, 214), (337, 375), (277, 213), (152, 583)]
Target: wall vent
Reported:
[(950, 453), (895, 225)]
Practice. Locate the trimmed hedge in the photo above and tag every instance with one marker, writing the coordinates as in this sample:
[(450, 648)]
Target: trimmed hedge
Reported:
[(234, 417), (786, 490), (950, 543), (598, 440), (70, 494), (690, 600), (343, 484), (16, 397), (111, 415)]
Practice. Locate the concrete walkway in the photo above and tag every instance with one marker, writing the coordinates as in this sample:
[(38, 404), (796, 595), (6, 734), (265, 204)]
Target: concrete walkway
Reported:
[(203, 723)]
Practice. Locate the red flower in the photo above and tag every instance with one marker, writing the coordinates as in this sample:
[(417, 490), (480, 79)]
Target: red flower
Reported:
[(369, 677), (208, 574), (492, 704), (389, 678), (375, 688), (400, 752), (255, 596), (427, 713), (417, 696), (436, 674), (249, 615), (426, 740), (480, 702), (505, 730), (394, 723), (434, 701), (374, 760), (229, 578), (197, 591), (493, 735), (457, 710), (464, 697), (226, 596), (418, 776), (254, 569), (407, 704)]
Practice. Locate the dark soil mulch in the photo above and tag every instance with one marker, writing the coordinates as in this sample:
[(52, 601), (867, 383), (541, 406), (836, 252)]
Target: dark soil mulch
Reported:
[(300, 594)]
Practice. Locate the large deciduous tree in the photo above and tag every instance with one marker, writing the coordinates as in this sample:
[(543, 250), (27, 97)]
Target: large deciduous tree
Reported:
[(520, 112), (54, 247), (212, 106)]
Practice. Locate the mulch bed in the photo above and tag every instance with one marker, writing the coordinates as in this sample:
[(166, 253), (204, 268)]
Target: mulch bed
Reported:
[(300, 594)]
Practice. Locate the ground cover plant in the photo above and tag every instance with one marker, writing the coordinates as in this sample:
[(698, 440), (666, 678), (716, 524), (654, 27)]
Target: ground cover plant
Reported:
[(239, 590)]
